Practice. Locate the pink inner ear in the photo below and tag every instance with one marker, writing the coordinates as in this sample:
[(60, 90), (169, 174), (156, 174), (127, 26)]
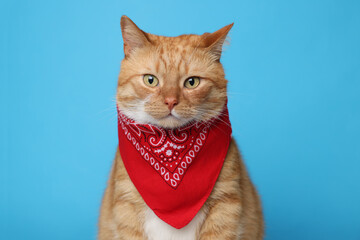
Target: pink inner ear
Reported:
[(133, 36), (214, 41)]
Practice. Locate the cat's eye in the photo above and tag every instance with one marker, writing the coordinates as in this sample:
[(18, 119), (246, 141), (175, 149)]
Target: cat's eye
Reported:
[(192, 82), (150, 80)]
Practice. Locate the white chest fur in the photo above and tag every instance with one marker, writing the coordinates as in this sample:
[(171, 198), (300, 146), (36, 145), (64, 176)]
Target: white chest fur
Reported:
[(157, 229)]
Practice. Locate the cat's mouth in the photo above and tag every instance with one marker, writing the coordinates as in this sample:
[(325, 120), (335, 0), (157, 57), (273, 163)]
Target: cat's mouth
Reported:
[(171, 120), (171, 116)]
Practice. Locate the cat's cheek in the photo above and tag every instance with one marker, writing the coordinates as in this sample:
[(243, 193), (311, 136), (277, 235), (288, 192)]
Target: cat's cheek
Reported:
[(197, 95), (144, 92)]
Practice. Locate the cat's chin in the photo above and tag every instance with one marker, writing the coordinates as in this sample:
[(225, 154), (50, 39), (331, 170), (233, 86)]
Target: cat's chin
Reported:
[(171, 121)]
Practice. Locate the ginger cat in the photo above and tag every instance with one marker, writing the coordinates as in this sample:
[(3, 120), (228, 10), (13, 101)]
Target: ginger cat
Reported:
[(156, 86)]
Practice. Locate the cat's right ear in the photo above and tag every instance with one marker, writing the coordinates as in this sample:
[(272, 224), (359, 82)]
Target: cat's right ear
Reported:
[(214, 41), (133, 36)]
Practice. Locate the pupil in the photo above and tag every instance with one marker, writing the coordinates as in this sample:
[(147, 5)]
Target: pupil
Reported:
[(191, 81), (151, 80)]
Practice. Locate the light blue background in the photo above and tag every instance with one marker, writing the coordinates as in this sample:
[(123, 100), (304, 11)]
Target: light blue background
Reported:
[(294, 72)]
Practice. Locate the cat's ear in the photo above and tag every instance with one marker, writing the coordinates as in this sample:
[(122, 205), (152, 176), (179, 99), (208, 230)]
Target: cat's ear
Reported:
[(133, 36), (214, 41)]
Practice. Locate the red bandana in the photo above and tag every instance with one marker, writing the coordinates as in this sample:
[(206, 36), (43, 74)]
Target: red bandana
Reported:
[(174, 170)]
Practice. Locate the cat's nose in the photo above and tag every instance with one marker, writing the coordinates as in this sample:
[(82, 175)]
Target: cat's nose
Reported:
[(171, 102)]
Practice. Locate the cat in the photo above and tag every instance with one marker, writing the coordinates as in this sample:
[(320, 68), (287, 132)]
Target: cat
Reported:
[(156, 86)]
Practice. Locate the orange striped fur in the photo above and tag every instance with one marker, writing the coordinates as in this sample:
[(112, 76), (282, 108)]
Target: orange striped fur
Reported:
[(233, 210)]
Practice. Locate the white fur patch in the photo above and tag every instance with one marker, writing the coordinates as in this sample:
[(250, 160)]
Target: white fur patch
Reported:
[(157, 229), (137, 112)]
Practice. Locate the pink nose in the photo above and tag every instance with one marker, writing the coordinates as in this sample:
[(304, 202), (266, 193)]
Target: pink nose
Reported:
[(171, 102)]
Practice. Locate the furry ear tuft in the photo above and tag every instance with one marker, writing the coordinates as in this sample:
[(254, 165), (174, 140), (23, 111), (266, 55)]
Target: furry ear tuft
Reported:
[(214, 41), (132, 35)]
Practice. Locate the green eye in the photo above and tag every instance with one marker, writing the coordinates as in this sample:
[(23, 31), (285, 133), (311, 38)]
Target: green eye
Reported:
[(150, 80), (192, 82)]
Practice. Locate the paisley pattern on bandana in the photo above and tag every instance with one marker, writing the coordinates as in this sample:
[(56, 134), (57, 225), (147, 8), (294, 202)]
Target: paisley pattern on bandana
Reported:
[(174, 170), (170, 152)]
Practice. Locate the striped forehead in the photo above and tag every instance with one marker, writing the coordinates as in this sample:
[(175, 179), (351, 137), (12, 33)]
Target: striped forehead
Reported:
[(174, 54)]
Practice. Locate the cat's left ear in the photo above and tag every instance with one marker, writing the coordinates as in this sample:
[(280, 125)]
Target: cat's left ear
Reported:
[(133, 36), (214, 41)]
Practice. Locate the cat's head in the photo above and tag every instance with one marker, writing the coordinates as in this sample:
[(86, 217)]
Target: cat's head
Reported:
[(171, 81)]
